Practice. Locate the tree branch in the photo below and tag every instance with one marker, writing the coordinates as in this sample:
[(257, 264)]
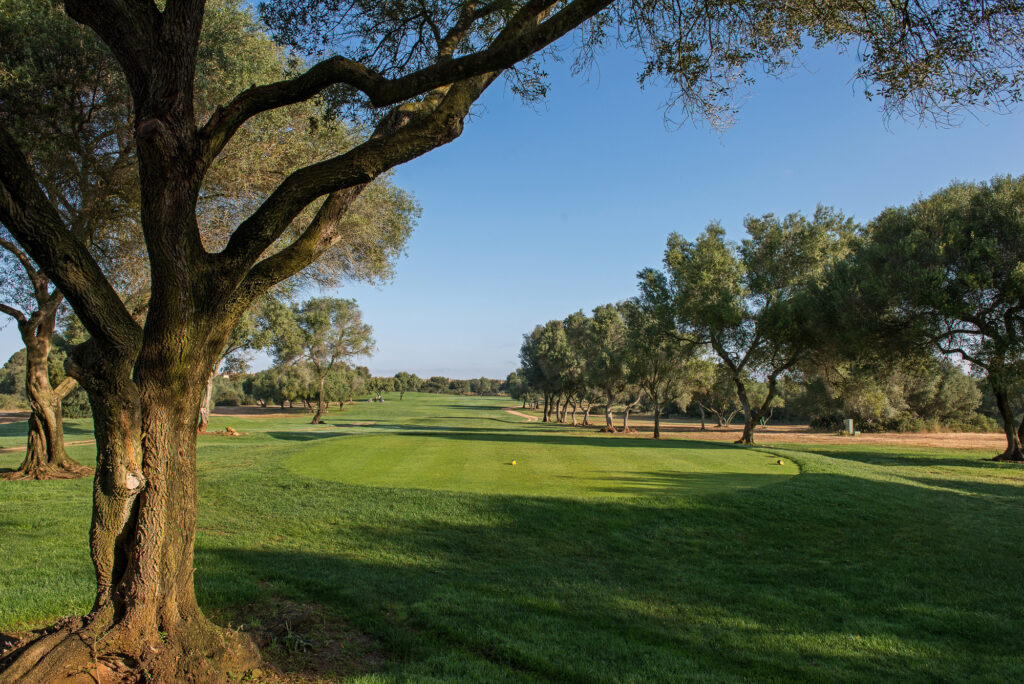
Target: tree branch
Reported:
[(408, 132), (36, 225), (382, 92), (16, 314)]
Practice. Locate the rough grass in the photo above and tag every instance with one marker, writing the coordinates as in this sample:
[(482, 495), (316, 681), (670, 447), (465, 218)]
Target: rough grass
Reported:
[(871, 564)]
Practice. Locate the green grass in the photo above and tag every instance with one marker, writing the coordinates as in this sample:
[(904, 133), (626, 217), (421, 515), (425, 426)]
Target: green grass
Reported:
[(597, 558)]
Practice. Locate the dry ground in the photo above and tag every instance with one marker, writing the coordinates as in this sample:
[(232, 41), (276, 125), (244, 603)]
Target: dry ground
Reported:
[(803, 434)]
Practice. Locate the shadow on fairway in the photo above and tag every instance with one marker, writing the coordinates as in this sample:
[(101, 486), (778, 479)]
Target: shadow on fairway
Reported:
[(20, 429), (829, 577), (882, 458), (669, 483), (532, 435)]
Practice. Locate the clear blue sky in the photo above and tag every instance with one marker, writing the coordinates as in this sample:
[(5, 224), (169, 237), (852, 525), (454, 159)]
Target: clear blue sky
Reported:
[(535, 213)]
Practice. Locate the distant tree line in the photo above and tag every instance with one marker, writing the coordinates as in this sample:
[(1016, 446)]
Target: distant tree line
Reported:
[(914, 321)]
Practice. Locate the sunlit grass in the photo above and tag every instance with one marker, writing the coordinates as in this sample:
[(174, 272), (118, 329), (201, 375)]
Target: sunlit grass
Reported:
[(870, 565)]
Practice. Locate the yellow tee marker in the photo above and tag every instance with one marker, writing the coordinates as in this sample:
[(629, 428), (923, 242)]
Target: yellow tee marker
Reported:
[(513, 462)]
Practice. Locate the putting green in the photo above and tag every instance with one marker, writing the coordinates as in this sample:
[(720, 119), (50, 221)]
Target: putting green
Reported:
[(475, 453)]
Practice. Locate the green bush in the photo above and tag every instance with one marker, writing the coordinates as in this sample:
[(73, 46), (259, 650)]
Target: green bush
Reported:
[(228, 397), (12, 402), (76, 404)]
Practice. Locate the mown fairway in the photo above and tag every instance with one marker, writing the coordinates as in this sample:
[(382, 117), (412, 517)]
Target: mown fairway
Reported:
[(412, 549)]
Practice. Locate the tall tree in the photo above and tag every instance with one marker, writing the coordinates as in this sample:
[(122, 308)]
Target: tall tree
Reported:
[(660, 364), (323, 332), (608, 354), (747, 302), (948, 271), (414, 70)]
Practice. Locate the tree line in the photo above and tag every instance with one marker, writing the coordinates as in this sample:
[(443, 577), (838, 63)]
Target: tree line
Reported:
[(914, 319)]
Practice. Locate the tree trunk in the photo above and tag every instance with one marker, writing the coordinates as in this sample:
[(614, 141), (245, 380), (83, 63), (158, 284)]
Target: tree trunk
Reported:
[(1013, 452), (657, 419), (608, 418), (749, 419), (573, 412), (586, 414), (702, 426), (319, 402), (45, 457), (204, 406), (547, 406), (145, 614)]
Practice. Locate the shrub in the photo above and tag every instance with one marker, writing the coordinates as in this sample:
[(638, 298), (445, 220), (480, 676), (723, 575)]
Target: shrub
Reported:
[(12, 402)]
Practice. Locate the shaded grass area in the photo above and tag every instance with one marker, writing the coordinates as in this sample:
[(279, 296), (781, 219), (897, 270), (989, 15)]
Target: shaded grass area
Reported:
[(869, 565)]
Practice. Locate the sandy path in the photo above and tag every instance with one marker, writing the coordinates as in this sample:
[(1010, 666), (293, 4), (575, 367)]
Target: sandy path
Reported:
[(513, 412), (77, 442), (801, 434)]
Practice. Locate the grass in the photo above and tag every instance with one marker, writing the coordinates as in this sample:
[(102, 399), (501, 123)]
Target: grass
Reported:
[(410, 550)]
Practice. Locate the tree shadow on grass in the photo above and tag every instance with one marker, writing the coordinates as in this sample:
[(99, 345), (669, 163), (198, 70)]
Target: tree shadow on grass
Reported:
[(20, 429), (831, 577), (1004, 490), (672, 483), (297, 436), (534, 436), (927, 457)]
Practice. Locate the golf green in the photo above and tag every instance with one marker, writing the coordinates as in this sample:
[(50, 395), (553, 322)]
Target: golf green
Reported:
[(483, 449)]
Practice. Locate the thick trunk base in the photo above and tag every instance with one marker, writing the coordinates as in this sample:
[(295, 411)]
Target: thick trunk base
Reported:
[(95, 650), (68, 470), (1010, 456)]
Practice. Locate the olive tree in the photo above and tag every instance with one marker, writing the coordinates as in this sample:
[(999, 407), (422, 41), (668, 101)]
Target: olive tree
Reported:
[(947, 272), (323, 332), (747, 302)]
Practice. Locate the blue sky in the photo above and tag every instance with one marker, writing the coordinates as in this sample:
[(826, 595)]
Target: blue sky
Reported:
[(537, 212)]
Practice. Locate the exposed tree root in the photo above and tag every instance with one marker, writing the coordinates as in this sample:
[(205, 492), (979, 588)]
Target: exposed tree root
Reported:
[(68, 470), (609, 429), (91, 650)]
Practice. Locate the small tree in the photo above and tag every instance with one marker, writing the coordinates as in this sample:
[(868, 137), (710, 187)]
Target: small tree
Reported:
[(323, 332), (406, 382), (660, 364)]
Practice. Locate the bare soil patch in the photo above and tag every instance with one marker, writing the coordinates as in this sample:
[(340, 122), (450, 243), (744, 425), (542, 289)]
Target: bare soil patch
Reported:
[(77, 442), (529, 418), (803, 434), (303, 644), (13, 416)]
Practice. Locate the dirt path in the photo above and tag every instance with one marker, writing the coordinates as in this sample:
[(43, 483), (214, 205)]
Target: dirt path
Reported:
[(77, 442), (513, 412)]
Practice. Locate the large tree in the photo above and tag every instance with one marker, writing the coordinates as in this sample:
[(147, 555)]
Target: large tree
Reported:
[(948, 272), (608, 356), (413, 70), (748, 302)]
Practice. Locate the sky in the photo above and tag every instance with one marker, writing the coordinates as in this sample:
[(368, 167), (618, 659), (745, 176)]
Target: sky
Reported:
[(539, 211)]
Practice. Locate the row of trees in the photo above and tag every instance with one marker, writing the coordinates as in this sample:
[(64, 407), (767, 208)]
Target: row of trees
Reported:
[(877, 322)]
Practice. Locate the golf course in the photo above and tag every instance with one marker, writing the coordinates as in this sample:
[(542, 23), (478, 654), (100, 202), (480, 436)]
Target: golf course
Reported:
[(398, 542)]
